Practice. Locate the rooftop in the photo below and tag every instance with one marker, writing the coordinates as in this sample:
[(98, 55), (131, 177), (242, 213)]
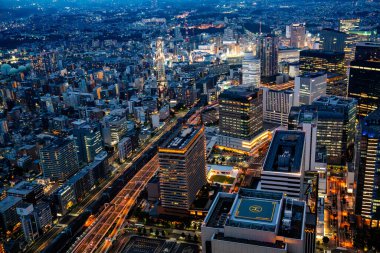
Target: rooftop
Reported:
[(181, 139), (8, 202), (23, 188), (239, 93), (285, 152)]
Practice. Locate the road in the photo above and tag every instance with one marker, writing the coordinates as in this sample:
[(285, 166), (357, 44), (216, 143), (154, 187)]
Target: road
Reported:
[(113, 216), (49, 236), (115, 213)]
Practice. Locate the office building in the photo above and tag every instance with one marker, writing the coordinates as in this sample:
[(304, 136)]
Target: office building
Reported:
[(240, 118), (182, 161), (35, 219), (250, 71), (308, 87), (367, 51), (367, 202), (306, 120), (283, 169), (267, 52), (240, 112), (276, 105), (363, 85), (335, 126), (114, 128), (337, 85), (124, 148), (254, 221), (319, 60), (88, 140), (332, 40), (64, 199), (28, 191), (160, 64), (297, 35), (8, 214), (59, 159)]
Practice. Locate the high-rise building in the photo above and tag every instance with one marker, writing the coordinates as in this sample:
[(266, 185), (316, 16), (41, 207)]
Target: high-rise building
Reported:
[(254, 221), (337, 85), (363, 85), (114, 128), (308, 87), (250, 71), (88, 140), (267, 51), (240, 113), (59, 159), (332, 40), (335, 126), (367, 51), (276, 105), (35, 219), (182, 161), (8, 214), (160, 64), (319, 60), (297, 35), (284, 165), (367, 191)]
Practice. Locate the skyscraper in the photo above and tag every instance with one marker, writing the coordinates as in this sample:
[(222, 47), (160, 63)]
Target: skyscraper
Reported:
[(335, 126), (267, 51), (367, 51), (88, 140), (160, 64), (364, 76), (59, 159), (367, 203), (308, 87), (182, 161), (240, 113), (276, 105), (250, 71), (297, 35), (332, 40), (319, 60)]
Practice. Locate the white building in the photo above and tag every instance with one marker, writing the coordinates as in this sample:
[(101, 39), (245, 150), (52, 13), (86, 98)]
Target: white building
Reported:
[(256, 222), (250, 71), (283, 169), (276, 105), (125, 148), (308, 87)]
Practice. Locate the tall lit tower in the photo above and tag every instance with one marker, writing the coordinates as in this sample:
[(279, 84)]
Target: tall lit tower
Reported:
[(267, 51), (160, 64)]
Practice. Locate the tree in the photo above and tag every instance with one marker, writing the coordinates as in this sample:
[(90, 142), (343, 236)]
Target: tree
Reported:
[(151, 230), (183, 235), (139, 230), (144, 231), (157, 233), (189, 237), (195, 238), (163, 234), (325, 240)]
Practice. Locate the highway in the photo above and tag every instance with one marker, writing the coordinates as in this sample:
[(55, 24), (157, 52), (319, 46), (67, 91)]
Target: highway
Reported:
[(48, 237), (115, 213)]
